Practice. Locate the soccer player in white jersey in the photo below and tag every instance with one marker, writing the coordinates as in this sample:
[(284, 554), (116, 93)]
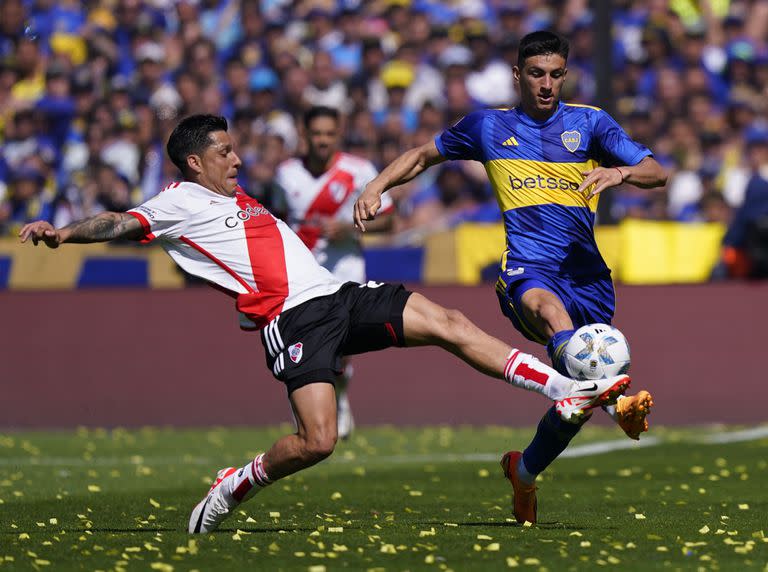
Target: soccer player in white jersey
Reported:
[(308, 318), (320, 190)]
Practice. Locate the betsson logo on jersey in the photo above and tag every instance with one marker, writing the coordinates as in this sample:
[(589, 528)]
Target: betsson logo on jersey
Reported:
[(540, 182), (244, 215)]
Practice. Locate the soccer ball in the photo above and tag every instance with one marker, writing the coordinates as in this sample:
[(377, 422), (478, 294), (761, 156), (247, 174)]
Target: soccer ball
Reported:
[(597, 351)]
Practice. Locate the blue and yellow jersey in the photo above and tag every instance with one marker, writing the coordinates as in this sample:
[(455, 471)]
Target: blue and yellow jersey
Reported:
[(535, 169)]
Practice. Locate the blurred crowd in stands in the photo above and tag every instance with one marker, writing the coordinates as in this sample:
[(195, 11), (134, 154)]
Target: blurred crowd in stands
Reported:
[(89, 91)]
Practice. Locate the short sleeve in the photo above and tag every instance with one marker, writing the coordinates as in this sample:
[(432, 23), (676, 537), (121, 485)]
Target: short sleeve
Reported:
[(615, 146), (164, 214), (464, 139)]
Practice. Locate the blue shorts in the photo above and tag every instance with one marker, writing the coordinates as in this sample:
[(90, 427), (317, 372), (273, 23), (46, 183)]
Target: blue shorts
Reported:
[(587, 300)]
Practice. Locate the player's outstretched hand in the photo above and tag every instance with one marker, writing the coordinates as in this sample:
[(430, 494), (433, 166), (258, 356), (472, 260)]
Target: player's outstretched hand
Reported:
[(41, 231), (367, 206), (601, 178)]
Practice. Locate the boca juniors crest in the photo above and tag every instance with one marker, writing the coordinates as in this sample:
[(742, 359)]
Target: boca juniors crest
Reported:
[(571, 140), (295, 352)]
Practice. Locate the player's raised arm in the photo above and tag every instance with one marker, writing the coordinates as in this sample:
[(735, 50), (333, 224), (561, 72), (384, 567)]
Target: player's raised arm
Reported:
[(408, 165), (100, 228)]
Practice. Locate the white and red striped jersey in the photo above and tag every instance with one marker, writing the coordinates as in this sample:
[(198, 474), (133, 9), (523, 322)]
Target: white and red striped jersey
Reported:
[(238, 246), (332, 195)]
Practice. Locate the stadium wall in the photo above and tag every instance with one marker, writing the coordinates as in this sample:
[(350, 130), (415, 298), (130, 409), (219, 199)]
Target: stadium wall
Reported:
[(128, 357)]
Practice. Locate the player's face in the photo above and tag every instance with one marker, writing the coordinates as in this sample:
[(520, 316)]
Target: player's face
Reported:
[(539, 82), (322, 138), (218, 165)]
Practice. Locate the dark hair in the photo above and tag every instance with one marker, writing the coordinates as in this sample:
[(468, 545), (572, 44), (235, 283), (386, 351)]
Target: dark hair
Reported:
[(540, 43), (320, 111), (190, 137)]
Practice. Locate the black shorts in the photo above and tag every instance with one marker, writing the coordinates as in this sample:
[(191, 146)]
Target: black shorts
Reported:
[(305, 344)]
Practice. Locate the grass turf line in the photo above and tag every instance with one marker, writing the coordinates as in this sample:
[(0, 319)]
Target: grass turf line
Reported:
[(114, 502)]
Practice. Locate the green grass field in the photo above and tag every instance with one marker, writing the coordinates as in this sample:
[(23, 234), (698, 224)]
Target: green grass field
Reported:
[(390, 499)]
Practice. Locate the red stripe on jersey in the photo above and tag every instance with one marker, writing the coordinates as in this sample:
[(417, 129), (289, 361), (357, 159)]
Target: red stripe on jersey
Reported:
[(145, 227), (231, 272), (337, 188), (267, 256), (391, 331)]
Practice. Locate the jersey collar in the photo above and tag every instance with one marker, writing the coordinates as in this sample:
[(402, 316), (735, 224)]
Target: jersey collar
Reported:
[(527, 119)]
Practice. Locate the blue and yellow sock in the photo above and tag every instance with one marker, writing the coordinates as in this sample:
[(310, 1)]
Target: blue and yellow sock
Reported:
[(556, 350)]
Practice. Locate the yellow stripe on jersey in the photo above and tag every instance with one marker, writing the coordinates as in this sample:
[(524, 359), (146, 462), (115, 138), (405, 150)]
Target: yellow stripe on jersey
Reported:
[(583, 105), (524, 183)]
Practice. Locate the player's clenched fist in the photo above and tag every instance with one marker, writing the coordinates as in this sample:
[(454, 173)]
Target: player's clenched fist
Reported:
[(41, 231), (367, 206)]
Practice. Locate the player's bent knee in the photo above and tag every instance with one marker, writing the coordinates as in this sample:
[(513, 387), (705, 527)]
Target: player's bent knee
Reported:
[(320, 446)]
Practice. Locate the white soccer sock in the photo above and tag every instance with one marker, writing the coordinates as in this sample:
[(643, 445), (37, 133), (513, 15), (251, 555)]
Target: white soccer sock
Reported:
[(524, 370), (249, 480)]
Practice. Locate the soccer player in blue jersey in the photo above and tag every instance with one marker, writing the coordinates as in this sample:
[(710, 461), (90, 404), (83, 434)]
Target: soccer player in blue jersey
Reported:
[(548, 162)]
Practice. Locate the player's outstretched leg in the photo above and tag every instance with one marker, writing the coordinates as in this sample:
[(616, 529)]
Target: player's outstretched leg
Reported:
[(427, 323), (314, 440)]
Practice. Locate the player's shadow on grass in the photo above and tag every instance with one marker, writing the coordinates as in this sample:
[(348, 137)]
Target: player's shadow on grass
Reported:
[(554, 525)]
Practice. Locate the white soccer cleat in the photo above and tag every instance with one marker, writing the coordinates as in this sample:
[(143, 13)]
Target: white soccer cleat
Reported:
[(344, 419), (215, 507), (586, 395)]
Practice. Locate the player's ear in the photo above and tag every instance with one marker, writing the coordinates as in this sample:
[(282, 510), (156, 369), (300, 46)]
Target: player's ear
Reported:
[(516, 74), (195, 164)]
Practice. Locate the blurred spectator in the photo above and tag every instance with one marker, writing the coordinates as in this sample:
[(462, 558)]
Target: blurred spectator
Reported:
[(27, 198), (84, 85), (325, 88), (745, 251)]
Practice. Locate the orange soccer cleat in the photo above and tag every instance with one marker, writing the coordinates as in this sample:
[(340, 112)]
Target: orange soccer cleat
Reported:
[(523, 495), (631, 413)]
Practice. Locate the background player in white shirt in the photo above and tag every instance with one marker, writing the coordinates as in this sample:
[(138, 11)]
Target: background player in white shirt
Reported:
[(321, 188), (308, 318)]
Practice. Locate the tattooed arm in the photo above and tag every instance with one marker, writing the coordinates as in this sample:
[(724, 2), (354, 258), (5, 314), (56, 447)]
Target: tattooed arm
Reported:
[(100, 228)]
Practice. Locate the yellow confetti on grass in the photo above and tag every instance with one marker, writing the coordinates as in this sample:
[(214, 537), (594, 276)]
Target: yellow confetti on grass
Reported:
[(512, 562), (274, 514), (336, 529), (154, 503), (317, 568), (483, 473), (53, 520), (484, 537), (639, 516), (704, 529), (430, 532), (336, 496), (493, 547), (94, 489), (744, 506)]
